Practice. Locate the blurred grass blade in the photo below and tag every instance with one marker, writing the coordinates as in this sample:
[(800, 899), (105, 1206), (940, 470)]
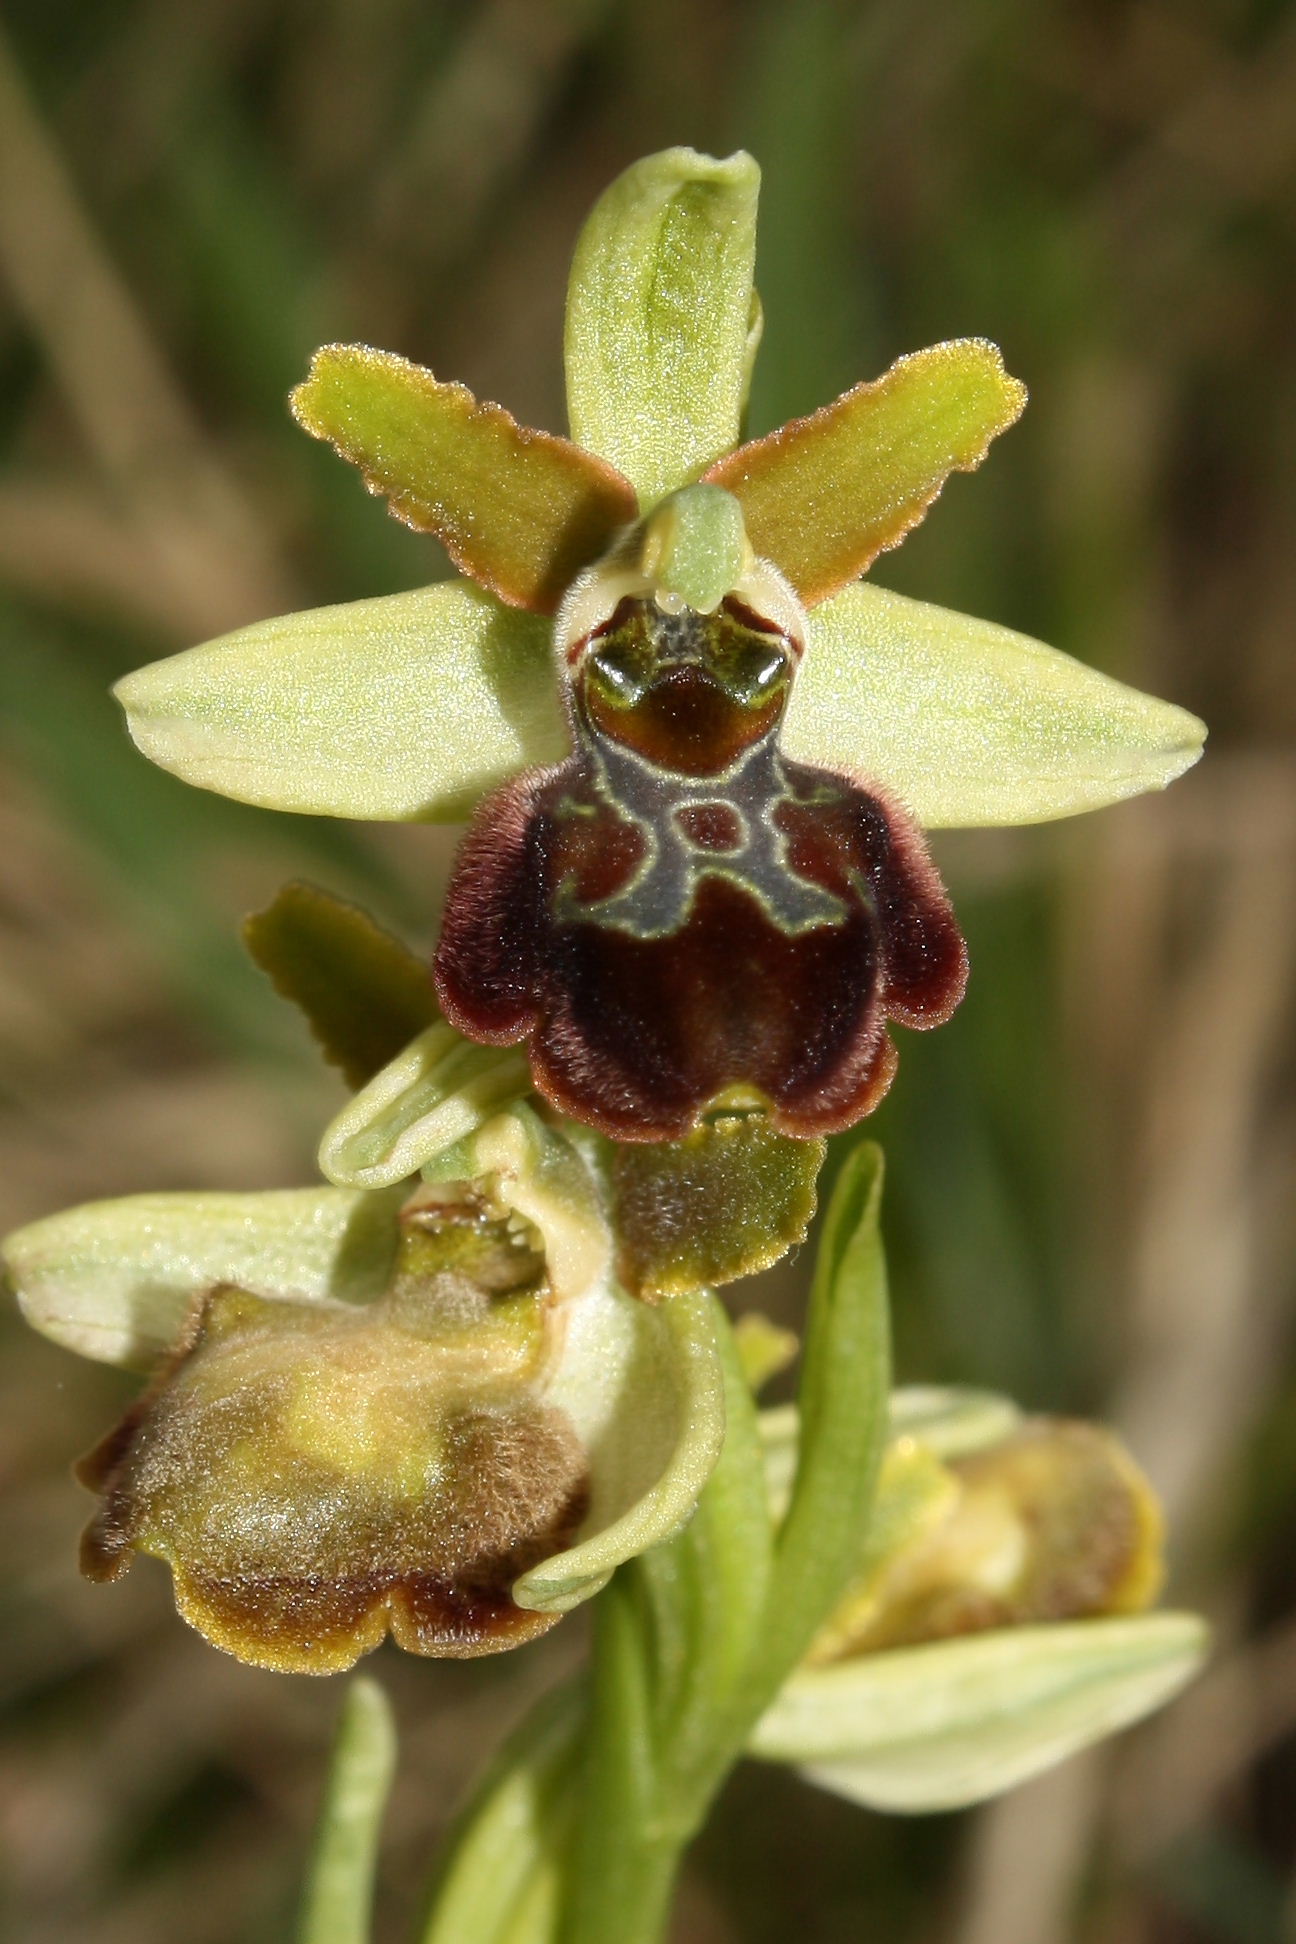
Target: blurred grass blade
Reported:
[(339, 1890)]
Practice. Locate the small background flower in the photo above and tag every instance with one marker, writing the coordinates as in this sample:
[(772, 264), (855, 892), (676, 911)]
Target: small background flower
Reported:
[(1105, 197)]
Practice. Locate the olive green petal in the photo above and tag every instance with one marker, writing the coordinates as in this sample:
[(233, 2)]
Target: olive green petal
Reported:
[(969, 723), (825, 495), (411, 706), (661, 317), (955, 1722), (517, 510), (364, 994), (117, 1280), (726, 1201)]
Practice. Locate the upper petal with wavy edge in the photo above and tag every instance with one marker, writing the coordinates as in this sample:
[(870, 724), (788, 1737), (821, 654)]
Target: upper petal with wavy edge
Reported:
[(825, 495), (946, 1725), (970, 723), (408, 706), (115, 1280), (661, 317), (520, 511)]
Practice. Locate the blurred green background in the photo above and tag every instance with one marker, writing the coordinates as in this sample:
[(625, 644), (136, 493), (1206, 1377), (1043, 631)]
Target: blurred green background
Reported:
[(1091, 1199)]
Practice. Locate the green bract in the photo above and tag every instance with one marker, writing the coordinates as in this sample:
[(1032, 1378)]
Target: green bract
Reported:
[(416, 705)]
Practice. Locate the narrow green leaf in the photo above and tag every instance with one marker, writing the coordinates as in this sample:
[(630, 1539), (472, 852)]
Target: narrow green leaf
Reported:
[(671, 1704), (707, 1594), (823, 496), (519, 511), (500, 1878), (116, 1280), (339, 1891), (408, 706), (660, 317), (843, 1409), (364, 994), (945, 1725), (969, 723)]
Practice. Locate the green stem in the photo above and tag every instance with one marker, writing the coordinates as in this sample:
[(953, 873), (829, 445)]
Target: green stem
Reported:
[(579, 1840)]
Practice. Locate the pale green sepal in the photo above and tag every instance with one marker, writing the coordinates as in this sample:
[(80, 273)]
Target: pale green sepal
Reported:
[(116, 1280), (644, 1386), (695, 547), (409, 706), (969, 723), (951, 1723), (440, 1089), (951, 1421), (660, 317), (337, 1905)]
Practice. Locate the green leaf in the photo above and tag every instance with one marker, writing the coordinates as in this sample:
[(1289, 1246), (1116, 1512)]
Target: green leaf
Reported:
[(726, 1201), (409, 706), (364, 994), (499, 1882), (942, 1726), (708, 1595), (116, 1280), (519, 511), (339, 1892), (843, 1412), (436, 1091), (969, 723), (825, 495), (660, 315), (644, 1387)]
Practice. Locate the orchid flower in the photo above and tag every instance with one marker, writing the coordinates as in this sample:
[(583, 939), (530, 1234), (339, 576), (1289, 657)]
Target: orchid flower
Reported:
[(698, 751)]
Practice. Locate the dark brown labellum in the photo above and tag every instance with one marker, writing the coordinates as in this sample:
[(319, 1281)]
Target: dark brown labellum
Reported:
[(677, 911)]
